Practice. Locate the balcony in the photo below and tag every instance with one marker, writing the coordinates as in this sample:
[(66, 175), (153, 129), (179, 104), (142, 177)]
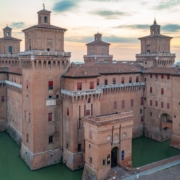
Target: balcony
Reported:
[(8, 55), (50, 102), (81, 93), (155, 54), (98, 56), (11, 84), (121, 85), (45, 53)]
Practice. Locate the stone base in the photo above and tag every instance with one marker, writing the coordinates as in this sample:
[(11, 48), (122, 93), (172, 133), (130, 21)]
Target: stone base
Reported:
[(73, 161), (3, 124), (137, 131), (14, 133), (42, 159), (89, 173), (157, 134), (175, 141)]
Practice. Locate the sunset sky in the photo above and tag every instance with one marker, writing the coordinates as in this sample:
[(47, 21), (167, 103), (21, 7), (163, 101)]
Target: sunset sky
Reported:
[(120, 21)]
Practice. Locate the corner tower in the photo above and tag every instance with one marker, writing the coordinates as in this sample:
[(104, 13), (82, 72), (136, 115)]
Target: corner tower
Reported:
[(97, 50), (155, 49), (43, 64)]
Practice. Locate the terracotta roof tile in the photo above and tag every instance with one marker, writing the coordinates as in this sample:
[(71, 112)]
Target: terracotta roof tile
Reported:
[(98, 43), (10, 38)]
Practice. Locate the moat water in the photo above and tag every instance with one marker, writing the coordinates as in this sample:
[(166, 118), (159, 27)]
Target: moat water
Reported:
[(12, 167)]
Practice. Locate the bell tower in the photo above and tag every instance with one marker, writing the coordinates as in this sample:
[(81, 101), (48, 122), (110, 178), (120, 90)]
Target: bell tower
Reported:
[(155, 28), (44, 16)]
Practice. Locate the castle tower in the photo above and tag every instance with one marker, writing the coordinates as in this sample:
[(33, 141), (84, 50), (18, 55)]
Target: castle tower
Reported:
[(155, 49), (9, 44), (42, 104), (97, 50)]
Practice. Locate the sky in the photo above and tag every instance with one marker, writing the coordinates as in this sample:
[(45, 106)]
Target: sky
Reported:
[(121, 22)]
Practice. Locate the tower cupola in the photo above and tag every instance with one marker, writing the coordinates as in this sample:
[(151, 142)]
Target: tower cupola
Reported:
[(7, 31), (155, 28), (98, 37), (44, 16)]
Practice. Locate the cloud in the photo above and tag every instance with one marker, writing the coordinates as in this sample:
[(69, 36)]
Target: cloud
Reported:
[(65, 5), (168, 4), (134, 26), (17, 25), (171, 27), (109, 39), (110, 14)]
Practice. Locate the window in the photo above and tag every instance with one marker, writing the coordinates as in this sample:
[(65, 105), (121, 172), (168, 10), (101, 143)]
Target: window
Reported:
[(97, 82), (27, 86), (123, 104), (29, 117), (2, 98), (130, 79), (89, 100), (104, 162), (151, 75), (132, 102), (162, 91), (91, 85), (114, 80), (150, 102), (162, 76), (27, 138), (106, 82), (156, 76), (150, 113), (49, 116), (151, 90), (142, 119), (137, 78), (115, 105), (67, 111), (57, 96), (79, 148), (50, 85), (162, 104), (50, 139), (79, 86), (67, 145), (10, 48), (122, 80), (168, 106), (174, 116), (89, 146), (142, 101), (168, 76), (141, 111), (45, 19), (90, 160), (156, 103), (88, 112)]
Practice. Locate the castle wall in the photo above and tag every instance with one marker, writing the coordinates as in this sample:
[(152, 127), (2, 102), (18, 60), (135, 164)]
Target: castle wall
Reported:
[(4, 46)]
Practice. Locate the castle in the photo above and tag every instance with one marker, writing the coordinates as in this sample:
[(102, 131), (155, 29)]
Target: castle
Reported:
[(86, 114)]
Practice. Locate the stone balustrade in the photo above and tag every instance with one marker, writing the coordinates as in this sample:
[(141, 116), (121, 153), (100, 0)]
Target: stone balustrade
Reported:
[(45, 53), (155, 54), (8, 55), (11, 83), (98, 56)]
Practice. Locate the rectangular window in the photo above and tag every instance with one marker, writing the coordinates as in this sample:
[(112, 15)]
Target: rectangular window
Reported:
[(49, 116), (91, 85), (67, 111), (104, 162), (150, 113), (97, 82), (2, 98), (132, 102), (79, 148), (162, 104), (88, 112), (114, 80), (130, 79), (142, 101), (162, 76), (168, 106), (79, 86), (156, 103), (106, 82), (27, 85), (142, 119), (137, 78), (140, 111), (50, 85), (150, 102), (151, 90), (115, 105), (151, 75), (156, 76), (122, 80), (123, 104), (50, 139), (29, 117), (27, 138), (90, 160), (168, 76), (162, 91), (10, 48)]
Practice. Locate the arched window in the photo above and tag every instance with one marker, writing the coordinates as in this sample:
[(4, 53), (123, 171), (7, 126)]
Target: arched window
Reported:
[(7, 33), (153, 31), (45, 19)]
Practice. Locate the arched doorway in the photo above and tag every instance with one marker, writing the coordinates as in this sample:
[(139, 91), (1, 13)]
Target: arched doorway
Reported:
[(114, 156)]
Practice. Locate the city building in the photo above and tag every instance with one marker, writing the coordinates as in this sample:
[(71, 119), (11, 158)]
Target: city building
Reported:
[(85, 114)]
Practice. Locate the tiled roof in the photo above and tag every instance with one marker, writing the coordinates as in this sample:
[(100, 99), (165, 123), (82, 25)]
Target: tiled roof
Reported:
[(45, 26), (107, 67), (155, 35), (164, 70), (98, 43), (10, 38)]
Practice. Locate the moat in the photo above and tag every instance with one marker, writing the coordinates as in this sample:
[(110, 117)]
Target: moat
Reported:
[(12, 167)]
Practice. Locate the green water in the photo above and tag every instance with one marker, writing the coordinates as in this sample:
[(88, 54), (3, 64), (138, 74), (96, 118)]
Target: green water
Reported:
[(12, 166), (147, 151)]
